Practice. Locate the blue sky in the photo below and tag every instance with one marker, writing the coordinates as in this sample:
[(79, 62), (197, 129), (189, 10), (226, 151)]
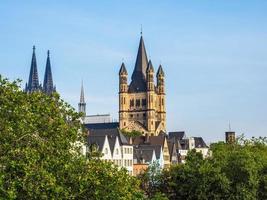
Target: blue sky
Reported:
[(214, 54)]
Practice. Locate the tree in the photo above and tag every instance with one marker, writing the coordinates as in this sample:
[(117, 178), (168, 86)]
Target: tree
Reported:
[(196, 179), (150, 181), (235, 171), (131, 133), (39, 155)]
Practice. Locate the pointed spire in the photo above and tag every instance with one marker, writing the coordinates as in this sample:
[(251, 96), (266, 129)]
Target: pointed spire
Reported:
[(82, 94), (141, 61), (48, 86), (150, 67), (82, 104), (160, 71), (138, 83), (33, 83), (123, 69)]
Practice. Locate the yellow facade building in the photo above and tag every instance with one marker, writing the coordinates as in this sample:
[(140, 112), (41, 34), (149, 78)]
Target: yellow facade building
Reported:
[(142, 102)]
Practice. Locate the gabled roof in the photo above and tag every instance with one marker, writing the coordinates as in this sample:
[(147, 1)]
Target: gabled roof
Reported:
[(111, 125), (199, 142), (138, 83), (97, 140), (98, 136), (157, 140), (184, 143), (111, 133), (178, 135), (145, 152)]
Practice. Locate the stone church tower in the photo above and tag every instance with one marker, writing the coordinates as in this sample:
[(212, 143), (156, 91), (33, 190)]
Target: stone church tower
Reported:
[(142, 103)]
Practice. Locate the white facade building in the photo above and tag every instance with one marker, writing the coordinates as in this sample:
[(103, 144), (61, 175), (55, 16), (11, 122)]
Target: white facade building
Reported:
[(113, 146)]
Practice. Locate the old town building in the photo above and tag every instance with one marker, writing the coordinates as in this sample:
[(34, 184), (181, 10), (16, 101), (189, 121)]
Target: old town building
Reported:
[(142, 102)]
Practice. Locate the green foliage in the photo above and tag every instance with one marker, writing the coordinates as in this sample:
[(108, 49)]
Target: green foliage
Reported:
[(150, 181), (235, 171), (40, 153), (131, 134)]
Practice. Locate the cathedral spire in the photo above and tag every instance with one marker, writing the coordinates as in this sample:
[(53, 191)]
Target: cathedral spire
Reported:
[(33, 83), (82, 104), (48, 87)]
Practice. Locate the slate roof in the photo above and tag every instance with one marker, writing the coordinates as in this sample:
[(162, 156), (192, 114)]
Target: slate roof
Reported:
[(199, 142), (184, 143), (145, 152), (160, 71), (110, 125), (178, 135), (123, 69), (138, 83), (98, 140), (111, 133)]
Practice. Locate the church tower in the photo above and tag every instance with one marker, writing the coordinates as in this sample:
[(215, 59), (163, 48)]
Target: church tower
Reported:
[(48, 86), (82, 104), (142, 103), (33, 83)]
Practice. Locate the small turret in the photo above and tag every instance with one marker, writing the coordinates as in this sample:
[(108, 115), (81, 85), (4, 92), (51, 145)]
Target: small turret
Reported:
[(160, 80), (123, 100), (123, 78), (150, 76)]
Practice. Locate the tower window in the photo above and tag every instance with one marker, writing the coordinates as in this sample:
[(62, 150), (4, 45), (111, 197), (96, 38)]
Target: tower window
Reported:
[(144, 115), (138, 102), (162, 101), (131, 103), (143, 102), (124, 123), (131, 115), (124, 100)]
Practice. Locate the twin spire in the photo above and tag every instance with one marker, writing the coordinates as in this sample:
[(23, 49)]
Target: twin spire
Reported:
[(33, 83)]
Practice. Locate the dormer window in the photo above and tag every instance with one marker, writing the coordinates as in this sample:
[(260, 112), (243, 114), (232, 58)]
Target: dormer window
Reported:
[(106, 150), (117, 151)]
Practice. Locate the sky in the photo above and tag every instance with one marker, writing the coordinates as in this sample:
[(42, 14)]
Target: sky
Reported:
[(214, 54)]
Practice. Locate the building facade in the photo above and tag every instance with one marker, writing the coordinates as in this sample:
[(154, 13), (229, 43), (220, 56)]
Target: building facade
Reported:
[(142, 102), (113, 146)]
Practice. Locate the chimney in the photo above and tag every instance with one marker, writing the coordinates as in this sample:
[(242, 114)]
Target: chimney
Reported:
[(130, 140), (146, 138)]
